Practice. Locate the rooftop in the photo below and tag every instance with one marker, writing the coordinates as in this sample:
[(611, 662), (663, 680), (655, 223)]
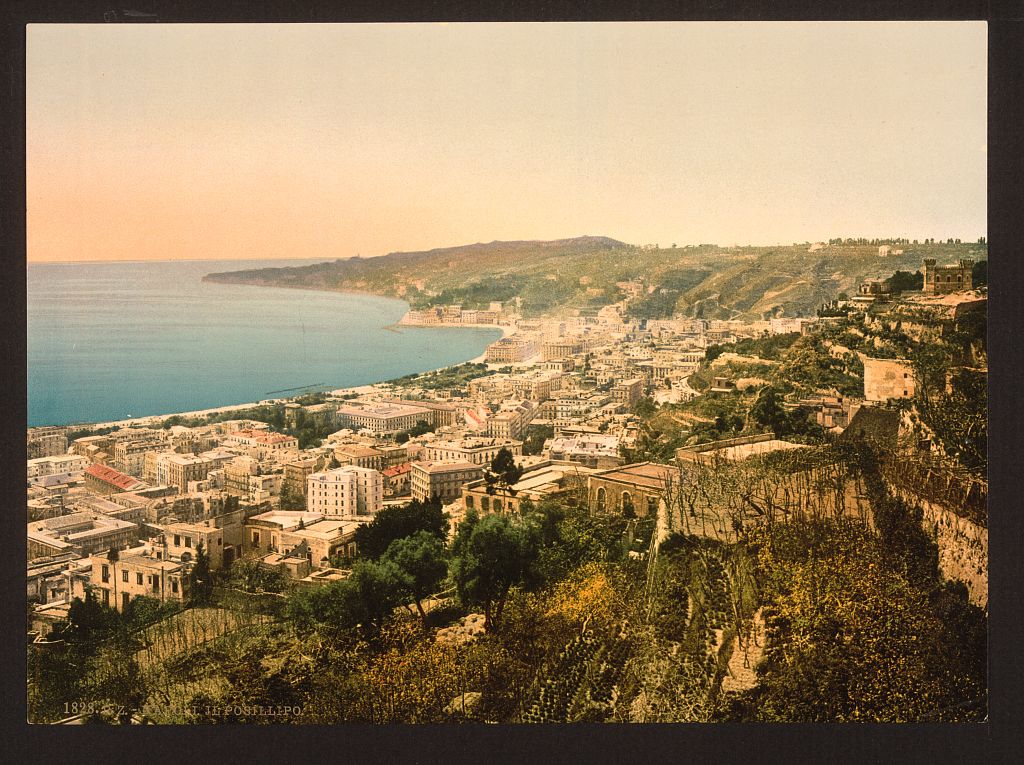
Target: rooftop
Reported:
[(113, 477), (445, 466), (647, 474)]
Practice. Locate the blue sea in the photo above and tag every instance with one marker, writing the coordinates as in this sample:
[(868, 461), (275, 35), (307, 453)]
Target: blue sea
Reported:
[(112, 340)]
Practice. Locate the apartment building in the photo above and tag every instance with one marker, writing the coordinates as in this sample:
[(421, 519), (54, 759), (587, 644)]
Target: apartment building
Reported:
[(348, 491), (359, 456), (237, 474), (296, 473), (539, 482), (628, 392), (886, 379), (60, 464), (129, 456), (135, 573), (511, 350), (183, 468), (443, 479), (591, 450), (478, 451), (396, 480), (261, 444), (83, 533), (182, 540), (510, 421), (560, 349), (46, 442), (443, 414), (320, 538)]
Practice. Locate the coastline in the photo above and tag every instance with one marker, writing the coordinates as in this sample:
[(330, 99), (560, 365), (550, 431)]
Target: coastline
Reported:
[(156, 420)]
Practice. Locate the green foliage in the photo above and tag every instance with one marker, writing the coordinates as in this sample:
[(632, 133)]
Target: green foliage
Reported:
[(503, 473), (89, 620), (367, 598), (373, 539), (979, 273), (449, 377), (291, 499), (645, 407), (570, 538), (808, 365), (957, 417), (418, 429), (767, 411), (419, 561), (769, 347), (251, 576), (491, 555), (536, 435), (201, 578), (851, 639)]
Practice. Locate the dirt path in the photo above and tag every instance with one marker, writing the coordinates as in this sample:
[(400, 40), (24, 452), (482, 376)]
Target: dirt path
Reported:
[(745, 656)]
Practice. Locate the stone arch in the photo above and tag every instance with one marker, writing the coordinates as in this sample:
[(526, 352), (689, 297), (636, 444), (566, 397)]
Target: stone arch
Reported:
[(602, 499)]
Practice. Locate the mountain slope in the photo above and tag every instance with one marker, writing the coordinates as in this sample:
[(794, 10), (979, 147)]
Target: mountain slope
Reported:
[(581, 275)]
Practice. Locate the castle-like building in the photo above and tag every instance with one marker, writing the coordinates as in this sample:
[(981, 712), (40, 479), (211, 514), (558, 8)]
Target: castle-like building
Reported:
[(939, 280)]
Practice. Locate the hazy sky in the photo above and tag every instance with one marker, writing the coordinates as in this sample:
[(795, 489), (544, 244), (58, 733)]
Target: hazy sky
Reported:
[(243, 141)]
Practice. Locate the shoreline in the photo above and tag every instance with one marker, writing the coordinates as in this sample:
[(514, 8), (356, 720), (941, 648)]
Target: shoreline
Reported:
[(156, 420)]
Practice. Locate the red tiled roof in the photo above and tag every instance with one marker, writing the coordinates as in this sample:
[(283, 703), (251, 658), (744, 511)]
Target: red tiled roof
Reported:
[(391, 472), (111, 476)]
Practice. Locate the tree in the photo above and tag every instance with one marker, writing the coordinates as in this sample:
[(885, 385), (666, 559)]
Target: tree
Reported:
[(979, 273), (373, 539), (904, 281), (367, 598), (201, 589), (491, 555), (420, 563), (536, 435), (645, 407), (767, 411), (503, 474), (291, 499)]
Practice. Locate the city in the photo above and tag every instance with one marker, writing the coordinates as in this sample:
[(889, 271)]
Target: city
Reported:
[(614, 477)]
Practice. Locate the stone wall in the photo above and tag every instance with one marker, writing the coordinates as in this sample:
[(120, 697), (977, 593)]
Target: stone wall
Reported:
[(963, 546)]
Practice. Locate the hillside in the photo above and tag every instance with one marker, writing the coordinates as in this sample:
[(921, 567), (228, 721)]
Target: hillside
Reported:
[(705, 281)]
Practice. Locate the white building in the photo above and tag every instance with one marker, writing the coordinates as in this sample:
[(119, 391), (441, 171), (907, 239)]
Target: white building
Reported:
[(348, 491), (59, 464), (384, 418)]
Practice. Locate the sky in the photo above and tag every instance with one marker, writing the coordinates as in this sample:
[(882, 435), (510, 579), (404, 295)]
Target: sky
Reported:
[(161, 142)]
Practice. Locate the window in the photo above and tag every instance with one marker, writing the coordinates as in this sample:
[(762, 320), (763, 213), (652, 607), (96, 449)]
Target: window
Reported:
[(138, 578), (188, 541), (177, 540), (627, 504), (485, 503), (469, 501), (602, 496), (105, 573), (174, 585), (124, 576)]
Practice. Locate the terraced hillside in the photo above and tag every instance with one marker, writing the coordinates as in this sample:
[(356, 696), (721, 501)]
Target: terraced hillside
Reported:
[(570, 275)]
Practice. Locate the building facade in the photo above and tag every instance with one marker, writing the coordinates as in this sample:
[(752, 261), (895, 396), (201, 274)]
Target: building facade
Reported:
[(442, 479), (939, 280), (347, 492)]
